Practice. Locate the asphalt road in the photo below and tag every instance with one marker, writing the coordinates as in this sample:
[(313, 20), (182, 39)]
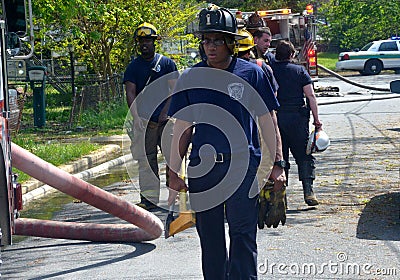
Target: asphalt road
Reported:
[(378, 81), (353, 234)]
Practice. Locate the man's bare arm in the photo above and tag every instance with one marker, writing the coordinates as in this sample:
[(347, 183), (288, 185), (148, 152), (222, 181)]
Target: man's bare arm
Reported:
[(164, 112), (182, 134), (268, 124), (310, 95), (131, 95)]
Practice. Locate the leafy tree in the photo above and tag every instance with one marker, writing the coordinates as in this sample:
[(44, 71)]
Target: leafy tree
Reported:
[(352, 24), (254, 5), (102, 31)]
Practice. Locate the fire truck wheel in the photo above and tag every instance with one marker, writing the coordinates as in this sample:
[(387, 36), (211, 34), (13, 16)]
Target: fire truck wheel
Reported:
[(373, 67)]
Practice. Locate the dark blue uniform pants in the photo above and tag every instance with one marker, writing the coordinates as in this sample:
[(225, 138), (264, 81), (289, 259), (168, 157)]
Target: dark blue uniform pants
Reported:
[(293, 126), (241, 214)]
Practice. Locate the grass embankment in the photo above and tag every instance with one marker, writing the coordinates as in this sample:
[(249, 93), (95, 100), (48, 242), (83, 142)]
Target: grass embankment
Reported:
[(53, 142), (54, 151)]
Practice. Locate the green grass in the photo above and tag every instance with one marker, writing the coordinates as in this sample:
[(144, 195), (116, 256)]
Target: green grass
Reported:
[(106, 117), (328, 60), (55, 142), (55, 152)]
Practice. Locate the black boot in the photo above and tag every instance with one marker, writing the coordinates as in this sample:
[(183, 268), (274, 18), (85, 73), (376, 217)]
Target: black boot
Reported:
[(309, 196), (146, 203)]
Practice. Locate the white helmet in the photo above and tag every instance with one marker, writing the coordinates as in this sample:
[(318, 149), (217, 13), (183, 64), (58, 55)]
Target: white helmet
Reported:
[(317, 142)]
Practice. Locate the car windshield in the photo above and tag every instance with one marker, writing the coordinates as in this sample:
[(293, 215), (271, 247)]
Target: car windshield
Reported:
[(367, 46)]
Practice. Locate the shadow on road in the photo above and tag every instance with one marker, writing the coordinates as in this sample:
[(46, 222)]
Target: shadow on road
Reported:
[(103, 257), (380, 219)]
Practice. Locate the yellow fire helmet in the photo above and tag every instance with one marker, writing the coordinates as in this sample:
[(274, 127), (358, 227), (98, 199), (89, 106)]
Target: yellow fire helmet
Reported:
[(246, 43), (146, 30)]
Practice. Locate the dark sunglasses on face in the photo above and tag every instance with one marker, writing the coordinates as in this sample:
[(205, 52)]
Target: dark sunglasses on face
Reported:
[(216, 42)]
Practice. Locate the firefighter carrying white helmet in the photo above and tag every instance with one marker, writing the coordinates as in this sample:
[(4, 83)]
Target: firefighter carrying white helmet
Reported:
[(318, 141)]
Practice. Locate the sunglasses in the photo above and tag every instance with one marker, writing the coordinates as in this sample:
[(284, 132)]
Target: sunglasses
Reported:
[(216, 42)]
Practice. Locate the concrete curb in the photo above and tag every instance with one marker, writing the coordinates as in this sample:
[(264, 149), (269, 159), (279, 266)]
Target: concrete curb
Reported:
[(103, 155)]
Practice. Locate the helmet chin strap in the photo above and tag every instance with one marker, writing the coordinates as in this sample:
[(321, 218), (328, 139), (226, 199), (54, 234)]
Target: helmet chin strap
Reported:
[(232, 45), (235, 48)]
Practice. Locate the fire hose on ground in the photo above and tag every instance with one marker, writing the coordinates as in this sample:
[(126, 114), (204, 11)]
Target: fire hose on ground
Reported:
[(349, 81), (145, 225)]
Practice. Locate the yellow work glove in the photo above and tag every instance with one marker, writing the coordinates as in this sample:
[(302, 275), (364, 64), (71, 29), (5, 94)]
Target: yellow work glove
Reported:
[(263, 205), (262, 209), (276, 207)]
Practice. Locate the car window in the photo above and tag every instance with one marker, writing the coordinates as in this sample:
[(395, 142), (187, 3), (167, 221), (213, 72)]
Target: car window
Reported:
[(388, 46), (367, 46)]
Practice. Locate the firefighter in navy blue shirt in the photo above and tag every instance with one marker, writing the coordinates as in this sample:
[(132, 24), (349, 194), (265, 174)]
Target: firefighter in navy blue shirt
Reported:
[(143, 70), (216, 104), (262, 39), (245, 48), (295, 85)]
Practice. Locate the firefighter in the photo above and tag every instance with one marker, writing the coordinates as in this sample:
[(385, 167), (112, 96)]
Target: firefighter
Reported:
[(262, 39), (272, 204), (142, 71), (294, 115), (246, 47), (213, 194)]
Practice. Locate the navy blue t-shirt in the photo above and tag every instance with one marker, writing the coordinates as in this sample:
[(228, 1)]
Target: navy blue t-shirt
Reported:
[(139, 71), (291, 79), (270, 58), (268, 72), (222, 106)]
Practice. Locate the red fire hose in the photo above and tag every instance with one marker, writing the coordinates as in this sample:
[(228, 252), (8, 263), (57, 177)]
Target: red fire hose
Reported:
[(150, 226)]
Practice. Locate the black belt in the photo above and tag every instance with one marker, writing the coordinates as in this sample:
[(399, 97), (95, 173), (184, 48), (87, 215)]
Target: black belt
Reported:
[(289, 108), (222, 157)]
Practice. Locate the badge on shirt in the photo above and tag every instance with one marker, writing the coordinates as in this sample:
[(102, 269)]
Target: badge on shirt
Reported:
[(236, 90)]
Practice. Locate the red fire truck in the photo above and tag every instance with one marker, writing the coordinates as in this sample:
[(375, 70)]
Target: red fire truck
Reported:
[(13, 27), (300, 29)]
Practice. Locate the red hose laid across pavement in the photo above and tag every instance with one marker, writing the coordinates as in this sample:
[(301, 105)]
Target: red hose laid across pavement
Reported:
[(150, 225), (80, 231)]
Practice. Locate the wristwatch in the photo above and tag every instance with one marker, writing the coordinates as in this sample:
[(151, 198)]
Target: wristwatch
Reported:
[(281, 163)]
